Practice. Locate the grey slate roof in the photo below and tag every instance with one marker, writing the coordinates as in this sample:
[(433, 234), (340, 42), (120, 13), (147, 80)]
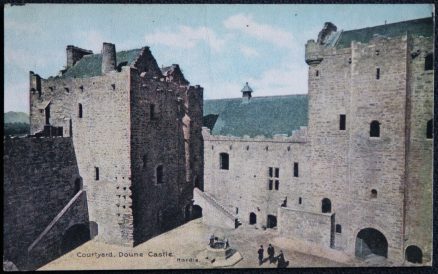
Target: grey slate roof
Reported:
[(90, 65), (260, 116), (418, 27)]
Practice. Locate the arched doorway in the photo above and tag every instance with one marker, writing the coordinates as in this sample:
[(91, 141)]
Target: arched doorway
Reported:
[(326, 205), (272, 221), (371, 241), (75, 236), (414, 254), (196, 212), (252, 218)]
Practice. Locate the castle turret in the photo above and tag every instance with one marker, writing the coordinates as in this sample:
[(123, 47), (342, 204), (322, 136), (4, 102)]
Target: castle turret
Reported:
[(75, 54), (326, 31), (108, 57), (314, 53), (246, 92)]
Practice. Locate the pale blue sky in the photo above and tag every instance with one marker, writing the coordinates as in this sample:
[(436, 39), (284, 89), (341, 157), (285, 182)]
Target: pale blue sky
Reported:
[(219, 47)]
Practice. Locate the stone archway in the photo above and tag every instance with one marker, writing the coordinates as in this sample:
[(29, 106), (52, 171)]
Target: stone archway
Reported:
[(75, 236), (414, 254), (196, 212), (370, 241)]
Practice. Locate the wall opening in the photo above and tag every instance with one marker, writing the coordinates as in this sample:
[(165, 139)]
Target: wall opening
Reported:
[(272, 221), (80, 110), (429, 129), (428, 62), (338, 228), (78, 185), (296, 170), (277, 184), (317, 73), (75, 236), (197, 184), (373, 193), (159, 174), (252, 218), (326, 205), (47, 111), (187, 215), (113, 86), (145, 161), (300, 200), (375, 129), (370, 241), (152, 111), (414, 254), (224, 159), (196, 212), (96, 173), (342, 121), (377, 73)]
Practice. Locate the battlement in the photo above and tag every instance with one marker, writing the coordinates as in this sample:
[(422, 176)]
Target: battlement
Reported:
[(314, 53)]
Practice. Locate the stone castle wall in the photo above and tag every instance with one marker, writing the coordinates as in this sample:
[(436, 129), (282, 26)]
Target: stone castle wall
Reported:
[(244, 187), (40, 178), (101, 140)]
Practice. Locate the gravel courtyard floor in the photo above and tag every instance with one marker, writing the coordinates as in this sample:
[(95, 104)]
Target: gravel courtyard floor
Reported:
[(182, 247)]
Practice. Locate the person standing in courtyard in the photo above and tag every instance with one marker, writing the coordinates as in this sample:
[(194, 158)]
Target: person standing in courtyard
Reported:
[(261, 250), (281, 261), (271, 253)]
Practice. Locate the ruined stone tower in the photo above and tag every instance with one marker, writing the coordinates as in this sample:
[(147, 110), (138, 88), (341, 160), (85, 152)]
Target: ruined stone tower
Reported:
[(136, 132)]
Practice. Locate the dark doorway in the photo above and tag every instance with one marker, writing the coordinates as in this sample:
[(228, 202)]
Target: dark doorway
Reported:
[(252, 218), (272, 221), (196, 212), (326, 205), (75, 236), (371, 241), (414, 254), (78, 185), (197, 185)]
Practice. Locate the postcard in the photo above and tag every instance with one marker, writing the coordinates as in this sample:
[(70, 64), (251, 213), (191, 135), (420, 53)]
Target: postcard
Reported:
[(217, 136)]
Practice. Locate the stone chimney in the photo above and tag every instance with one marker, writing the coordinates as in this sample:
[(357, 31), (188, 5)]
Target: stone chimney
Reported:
[(75, 54), (108, 57)]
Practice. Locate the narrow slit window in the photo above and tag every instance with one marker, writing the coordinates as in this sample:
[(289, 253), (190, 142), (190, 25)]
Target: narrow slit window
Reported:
[(277, 173), (271, 172), (152, 111), (296, 170), (300, 200), (96, 173), (277, 184), (338, 228), (378, 73), (113, 86), (342, 120), (271, 182), (429, 130), (80, 110), (317, 73), (428, 62), (145, 161), (159, 173)]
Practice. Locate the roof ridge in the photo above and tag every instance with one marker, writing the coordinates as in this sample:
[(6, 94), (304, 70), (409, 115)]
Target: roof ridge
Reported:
[(394, 23)]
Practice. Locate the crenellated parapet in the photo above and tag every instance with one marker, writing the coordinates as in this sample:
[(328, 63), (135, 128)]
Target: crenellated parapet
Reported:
[(314, 53)]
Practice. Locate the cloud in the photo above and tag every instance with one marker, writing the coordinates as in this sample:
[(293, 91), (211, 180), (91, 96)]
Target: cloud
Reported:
[(16, 97), (14, 26), (263, 32), (91, 39), (282, 80), (186, 37), (248, 51)]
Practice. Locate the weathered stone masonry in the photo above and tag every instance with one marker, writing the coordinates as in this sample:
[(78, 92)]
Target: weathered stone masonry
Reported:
[(358, 187)]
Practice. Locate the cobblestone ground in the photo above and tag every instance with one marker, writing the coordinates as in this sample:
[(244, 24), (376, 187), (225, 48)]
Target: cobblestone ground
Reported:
[(182, 248)]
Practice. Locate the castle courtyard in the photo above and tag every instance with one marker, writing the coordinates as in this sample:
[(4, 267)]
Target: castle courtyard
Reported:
[(180, 248)]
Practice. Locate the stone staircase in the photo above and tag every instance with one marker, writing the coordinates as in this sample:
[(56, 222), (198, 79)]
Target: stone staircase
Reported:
[(214, 212)]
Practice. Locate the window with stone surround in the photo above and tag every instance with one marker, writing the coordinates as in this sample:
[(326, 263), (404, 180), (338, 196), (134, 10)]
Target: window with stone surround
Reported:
[(342, 121), (296, 169), (429, 129), (96, 173), (428, 62), (224, 160), (273, 180), (375, 129), (159, 174)]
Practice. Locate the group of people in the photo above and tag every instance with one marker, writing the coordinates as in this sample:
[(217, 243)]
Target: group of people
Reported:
[(281, 262)]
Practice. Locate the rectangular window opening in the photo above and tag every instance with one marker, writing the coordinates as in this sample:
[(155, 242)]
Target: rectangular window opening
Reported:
[(96, 171), (378, 73), (342, 120), (295, 169)]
